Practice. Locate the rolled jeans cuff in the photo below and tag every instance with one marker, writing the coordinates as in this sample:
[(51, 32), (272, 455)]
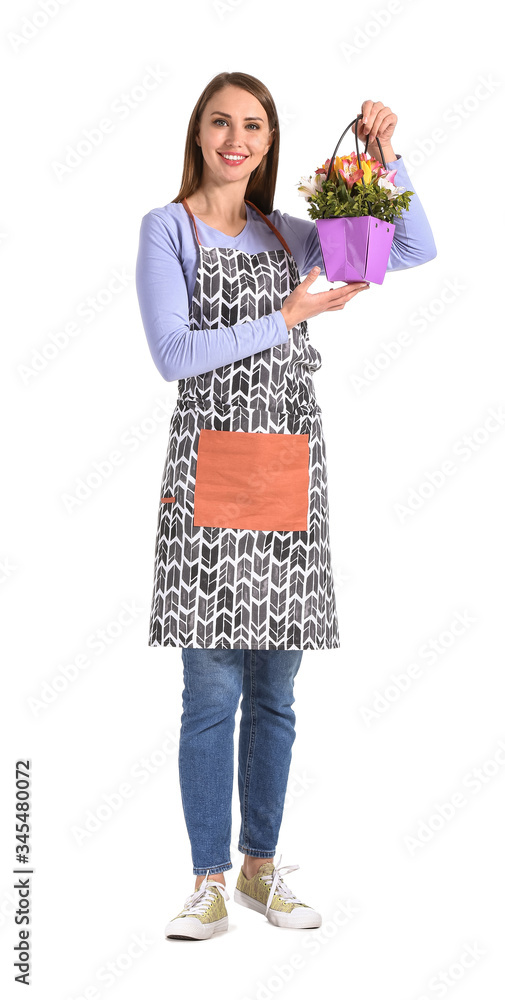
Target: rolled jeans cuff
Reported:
[(213, 869), (254, 853)]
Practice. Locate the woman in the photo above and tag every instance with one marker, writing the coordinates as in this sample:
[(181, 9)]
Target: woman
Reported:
[(243, 576)]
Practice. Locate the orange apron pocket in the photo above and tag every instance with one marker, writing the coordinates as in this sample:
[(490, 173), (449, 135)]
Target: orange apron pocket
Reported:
[(252, 480)]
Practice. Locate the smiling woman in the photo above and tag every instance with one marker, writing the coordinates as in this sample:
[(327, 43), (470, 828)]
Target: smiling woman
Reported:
[(243, 576), (233, 410), (239, 140)]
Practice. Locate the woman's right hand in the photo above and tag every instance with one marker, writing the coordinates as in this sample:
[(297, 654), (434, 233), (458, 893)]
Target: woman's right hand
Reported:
[(300, 304)]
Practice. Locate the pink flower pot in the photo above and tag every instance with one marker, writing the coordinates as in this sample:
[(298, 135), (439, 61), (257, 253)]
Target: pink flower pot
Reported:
[(355, 247)]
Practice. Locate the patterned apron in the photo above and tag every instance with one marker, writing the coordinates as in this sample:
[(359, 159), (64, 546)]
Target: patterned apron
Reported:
[(232, 587)]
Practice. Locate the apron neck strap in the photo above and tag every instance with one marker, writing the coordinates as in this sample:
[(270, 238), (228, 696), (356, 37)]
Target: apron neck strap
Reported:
[(190, 213), (258, 210), (272, 227)]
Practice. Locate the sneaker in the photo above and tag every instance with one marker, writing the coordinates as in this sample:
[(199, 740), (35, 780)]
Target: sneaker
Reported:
[(267, 893), (204, 913)]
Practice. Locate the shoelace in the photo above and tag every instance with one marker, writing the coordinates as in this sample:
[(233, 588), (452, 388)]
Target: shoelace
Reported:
[(278, 885), (199, 900)]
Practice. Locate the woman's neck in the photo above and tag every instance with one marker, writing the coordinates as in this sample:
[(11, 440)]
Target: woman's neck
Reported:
[(219, 205)]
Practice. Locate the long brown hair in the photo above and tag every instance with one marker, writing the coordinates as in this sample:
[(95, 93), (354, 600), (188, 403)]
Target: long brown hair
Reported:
[(261, 185)]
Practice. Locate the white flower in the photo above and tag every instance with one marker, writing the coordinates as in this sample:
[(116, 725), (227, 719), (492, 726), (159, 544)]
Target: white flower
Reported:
[(309, 186), (391, 189)]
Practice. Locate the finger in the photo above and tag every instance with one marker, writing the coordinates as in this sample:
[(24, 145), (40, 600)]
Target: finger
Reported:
[(333, 304), (365, 110), (311, 276), (340, 305), (347, 290), (343, 292), (366, 107), (379, 124), (374, 123), (361, 130), (339, 295), (350, 284), (372, 115)]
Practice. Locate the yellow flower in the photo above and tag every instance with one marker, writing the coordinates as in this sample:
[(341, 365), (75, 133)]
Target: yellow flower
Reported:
[(367, 171), (337, 165)]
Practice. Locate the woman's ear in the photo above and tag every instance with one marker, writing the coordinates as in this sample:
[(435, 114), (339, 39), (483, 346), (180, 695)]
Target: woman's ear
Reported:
[(272, 130)]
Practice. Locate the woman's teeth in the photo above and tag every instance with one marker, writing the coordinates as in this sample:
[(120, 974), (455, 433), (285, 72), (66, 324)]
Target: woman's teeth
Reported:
[(232, 157)]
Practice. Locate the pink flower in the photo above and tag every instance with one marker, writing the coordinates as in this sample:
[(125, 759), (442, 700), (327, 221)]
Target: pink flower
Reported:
[(324, 168), (349, 171), (351, 179), (376, 167), (389, 176)]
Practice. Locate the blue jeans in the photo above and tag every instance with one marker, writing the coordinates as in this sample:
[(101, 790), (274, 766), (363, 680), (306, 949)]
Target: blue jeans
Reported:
[(214, 679)]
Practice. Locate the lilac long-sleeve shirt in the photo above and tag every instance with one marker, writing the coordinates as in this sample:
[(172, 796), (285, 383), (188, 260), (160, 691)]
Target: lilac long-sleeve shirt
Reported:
[(167, 265)]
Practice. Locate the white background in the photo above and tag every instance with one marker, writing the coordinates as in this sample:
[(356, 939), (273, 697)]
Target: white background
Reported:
[(359, 786)]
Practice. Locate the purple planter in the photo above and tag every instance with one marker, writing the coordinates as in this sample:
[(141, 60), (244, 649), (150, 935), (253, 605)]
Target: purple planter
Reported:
[(355, 247)]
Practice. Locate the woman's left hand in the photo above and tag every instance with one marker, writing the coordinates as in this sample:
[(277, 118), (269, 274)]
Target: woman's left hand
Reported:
[(378, 120)]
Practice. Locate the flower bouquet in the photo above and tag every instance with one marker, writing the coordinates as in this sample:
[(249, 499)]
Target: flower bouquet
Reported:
[(354, 201)]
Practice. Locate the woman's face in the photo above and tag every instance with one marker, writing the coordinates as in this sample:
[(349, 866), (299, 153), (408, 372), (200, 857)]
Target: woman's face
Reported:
[(233, 122)]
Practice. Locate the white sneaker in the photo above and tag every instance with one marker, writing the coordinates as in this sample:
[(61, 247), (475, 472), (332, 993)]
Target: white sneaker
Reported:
[(267, 893), (204, 913)]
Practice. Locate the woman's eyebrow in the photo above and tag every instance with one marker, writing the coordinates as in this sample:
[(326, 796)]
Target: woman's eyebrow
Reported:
[(250, 118)]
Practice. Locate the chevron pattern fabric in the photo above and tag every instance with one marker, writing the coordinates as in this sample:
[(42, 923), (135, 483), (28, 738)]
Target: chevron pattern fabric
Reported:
[(229, 588)]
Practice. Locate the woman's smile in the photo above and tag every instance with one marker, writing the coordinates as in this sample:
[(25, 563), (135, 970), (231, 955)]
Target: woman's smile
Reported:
[(232, 158)]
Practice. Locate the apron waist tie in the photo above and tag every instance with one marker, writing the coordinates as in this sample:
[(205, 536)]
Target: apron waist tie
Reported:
[(211, 406)]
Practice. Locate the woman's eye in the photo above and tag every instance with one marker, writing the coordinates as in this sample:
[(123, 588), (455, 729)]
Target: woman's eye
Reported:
[(218, 120)]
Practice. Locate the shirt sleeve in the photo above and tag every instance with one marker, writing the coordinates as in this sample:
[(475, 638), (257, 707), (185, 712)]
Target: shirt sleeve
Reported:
[(177, 351), (413, 241)]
